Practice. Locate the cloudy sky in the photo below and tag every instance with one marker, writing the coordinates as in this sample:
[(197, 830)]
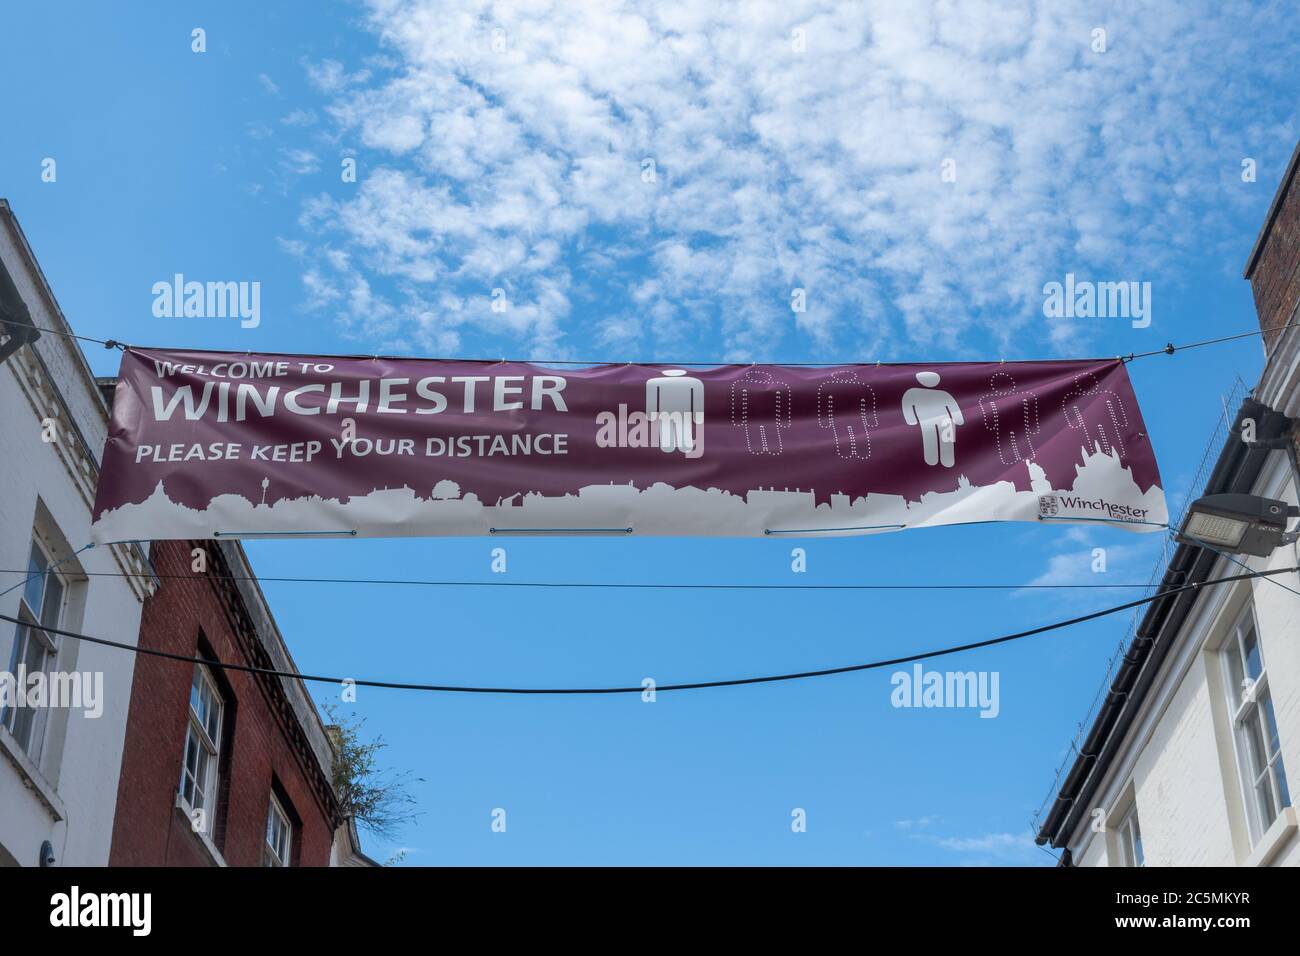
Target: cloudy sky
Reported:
[(667, 181), (650, 177)]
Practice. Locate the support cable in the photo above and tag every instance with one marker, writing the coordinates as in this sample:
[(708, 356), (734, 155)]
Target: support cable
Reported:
[(638, 689)]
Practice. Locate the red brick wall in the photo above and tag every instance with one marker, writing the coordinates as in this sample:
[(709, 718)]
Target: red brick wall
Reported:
[(149, 830), (1275, 273)]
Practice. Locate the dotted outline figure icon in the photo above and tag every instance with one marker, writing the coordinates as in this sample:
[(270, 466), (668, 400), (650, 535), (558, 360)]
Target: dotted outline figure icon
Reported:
[(998, 407), (850, 422), (762, 437), (1110, 420)]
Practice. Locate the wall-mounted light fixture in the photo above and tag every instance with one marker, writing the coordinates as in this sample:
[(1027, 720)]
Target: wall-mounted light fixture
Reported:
[(1245, 524)]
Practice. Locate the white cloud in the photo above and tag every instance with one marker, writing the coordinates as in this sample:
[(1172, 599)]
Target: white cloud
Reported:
[(300, 118), (984, 849), (1125, 563), (995, 843), (918, 823), (508, 147), (299, 162), (329, 76)]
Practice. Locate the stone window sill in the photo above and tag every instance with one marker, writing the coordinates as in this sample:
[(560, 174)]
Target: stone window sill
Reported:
[(31, 776), (206, 841), (1277, 836)]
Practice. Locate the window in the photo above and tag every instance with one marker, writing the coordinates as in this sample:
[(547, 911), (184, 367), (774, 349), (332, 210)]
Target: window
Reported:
[(1129, 837), (202, 747), (39, 606), (279, 836), (1254, 726)]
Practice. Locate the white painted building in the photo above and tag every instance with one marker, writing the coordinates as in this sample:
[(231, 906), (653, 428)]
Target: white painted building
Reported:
[(58, 765), (1193, 757)]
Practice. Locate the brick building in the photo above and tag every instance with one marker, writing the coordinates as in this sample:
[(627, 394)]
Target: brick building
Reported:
[(220, 767), (1273, 267), (1193, 755)]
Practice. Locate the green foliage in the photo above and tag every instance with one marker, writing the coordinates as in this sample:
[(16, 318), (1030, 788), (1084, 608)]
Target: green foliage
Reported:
[(378, 798)]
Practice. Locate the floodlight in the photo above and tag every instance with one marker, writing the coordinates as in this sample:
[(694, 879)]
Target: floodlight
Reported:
[(1241, 524)]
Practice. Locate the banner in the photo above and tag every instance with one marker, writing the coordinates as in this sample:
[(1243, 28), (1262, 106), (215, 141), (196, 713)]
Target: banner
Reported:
[(206, 444)]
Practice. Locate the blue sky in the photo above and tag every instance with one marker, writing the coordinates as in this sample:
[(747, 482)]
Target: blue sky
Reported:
[(506, 149)]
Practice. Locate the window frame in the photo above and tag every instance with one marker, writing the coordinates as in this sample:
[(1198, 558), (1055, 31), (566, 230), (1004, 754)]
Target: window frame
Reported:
[(34, 626), (195, 729), (1128, 836), (270, 855), (1254, 727)]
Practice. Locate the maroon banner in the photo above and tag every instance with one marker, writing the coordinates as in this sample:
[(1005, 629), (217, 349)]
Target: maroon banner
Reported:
[(203, 444)]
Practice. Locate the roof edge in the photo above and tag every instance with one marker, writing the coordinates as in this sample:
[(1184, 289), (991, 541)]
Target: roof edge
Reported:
[(1274, 207), (1238, 467), (10, 220)]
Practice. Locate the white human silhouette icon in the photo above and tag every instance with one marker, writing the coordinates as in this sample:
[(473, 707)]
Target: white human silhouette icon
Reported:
[(674, 403), (760, 404), (847, 406), (1105, 421), (938, 415), (1012, 417)]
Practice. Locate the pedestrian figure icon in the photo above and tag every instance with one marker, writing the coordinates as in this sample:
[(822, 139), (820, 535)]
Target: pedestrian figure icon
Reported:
[(937, 414), (674, 403), (1099, 414), (760, 404), (846, 406), (1011, 415)]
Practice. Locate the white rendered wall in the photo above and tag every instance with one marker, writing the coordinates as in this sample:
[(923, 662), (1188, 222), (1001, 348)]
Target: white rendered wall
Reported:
[(70, 798)]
